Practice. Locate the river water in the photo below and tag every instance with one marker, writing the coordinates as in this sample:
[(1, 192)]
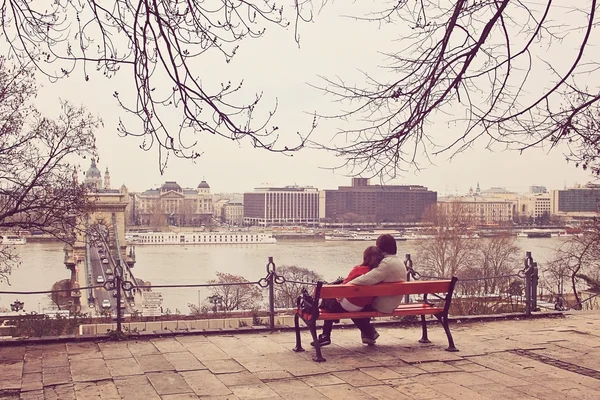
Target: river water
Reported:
[(42, 265)]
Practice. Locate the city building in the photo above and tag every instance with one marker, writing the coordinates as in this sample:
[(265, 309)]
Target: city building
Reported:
[(173, 205), (480, 210), (534, 205), (537, 189), (578, 202), (365, 203), (232, 213), (289, 205)]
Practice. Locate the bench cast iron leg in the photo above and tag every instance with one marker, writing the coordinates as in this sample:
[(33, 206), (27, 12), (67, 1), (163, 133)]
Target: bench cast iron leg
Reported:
[(424, 338), (444, 321), (298, 347), (313, 331)]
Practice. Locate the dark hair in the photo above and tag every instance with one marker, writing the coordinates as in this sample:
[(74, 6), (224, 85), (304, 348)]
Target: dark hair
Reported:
[(372, 256), (387, 244)]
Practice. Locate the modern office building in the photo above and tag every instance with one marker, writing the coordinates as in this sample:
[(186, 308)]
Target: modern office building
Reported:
[(582, 201), (362, 202), (289, 205)]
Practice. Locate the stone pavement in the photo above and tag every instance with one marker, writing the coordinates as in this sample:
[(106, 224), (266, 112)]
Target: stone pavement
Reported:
[(523, 359)]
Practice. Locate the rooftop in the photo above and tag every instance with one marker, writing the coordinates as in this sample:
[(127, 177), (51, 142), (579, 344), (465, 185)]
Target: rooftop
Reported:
[(525, 359)]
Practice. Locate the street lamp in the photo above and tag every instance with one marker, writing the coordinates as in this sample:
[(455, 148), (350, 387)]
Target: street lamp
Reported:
[(216, 300)]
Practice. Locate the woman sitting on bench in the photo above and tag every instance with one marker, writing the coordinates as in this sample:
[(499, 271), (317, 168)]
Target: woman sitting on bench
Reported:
[(372, 256)]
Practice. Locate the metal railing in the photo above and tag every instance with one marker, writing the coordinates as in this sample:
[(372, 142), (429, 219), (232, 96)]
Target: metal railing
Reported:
[(474, 289)]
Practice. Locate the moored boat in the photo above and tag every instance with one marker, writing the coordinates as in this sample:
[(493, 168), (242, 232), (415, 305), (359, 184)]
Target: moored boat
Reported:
[(160, 238), (10, 240)]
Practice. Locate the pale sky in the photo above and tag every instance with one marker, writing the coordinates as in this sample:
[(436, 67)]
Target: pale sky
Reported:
[(330, 46)]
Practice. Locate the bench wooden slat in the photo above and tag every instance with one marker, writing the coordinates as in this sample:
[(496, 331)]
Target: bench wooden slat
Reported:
[(408, 309), (384, 289)]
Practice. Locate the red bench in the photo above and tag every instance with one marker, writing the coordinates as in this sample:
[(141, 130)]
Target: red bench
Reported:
[(308, 311)]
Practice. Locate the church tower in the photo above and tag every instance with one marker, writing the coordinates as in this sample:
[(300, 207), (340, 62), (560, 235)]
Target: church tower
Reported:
[(106, 179)]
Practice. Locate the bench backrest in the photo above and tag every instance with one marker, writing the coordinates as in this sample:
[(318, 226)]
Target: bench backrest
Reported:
[(384, 289)]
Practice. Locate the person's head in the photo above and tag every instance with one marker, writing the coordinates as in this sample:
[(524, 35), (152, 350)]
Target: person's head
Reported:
[(387, 244), (372, 256)]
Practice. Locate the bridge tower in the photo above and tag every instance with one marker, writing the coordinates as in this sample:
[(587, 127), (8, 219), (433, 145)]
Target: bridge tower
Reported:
[(107, 210)]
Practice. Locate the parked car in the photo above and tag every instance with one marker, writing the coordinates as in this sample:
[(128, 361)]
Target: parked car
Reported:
[(114, 293), (105, 261), (122, 303), (105, 303), (108, 271), (100, 279)]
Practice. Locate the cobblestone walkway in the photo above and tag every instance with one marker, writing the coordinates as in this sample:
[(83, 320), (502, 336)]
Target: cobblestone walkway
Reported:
[(527, 359)]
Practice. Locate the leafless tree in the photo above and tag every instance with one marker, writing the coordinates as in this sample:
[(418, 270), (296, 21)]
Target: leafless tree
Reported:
[(38, 189), (577, 259), (157, 216), (286, 293), (514, 74), (452, 248), (243, 296), (160, 44), (499, 257)]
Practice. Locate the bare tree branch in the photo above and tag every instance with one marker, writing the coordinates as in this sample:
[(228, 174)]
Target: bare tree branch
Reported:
[(487, 67), (158, 42)]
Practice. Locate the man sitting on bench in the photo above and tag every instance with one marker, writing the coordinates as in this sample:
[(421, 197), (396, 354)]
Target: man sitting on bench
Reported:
[(390, 269)]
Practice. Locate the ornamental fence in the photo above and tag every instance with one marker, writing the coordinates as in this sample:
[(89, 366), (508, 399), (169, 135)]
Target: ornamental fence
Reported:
[(504, 294)]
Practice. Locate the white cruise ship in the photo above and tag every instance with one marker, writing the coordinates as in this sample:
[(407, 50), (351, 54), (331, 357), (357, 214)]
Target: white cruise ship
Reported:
[(10, 240), (159, 238)]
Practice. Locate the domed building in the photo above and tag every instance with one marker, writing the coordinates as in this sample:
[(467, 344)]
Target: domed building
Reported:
[(171, 204), (93, 177)]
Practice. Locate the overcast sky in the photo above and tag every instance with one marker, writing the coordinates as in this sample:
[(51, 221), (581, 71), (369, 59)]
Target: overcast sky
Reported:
[(330, 46)]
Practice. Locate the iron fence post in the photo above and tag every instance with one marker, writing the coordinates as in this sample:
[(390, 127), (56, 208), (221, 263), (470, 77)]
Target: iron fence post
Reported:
[(408, 265), (118, 271), (534, 286), (528, 269), (271, 283)]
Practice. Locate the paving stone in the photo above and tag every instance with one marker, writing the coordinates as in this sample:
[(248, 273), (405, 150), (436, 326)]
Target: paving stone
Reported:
[(135, 387), (417, 390), (30, 395), (105, 390), (168, 345), (184, 361), (56, 375), (384, 392), (295, 389), (206, 351), (168, 382), (322, 380), (59, 392), (142, 348), (343, 391), (31, 381), (500, 392), (357, 378), (123, 367), (380, 373), (223, 366), (154, 363), (457, 392), (204, 383), (258, 363), (239, 378), (267, 376), (93, 369), (114, 350), (259, 391)]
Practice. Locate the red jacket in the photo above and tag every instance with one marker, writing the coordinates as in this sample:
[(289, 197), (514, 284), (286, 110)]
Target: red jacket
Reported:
[(356, 272)]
